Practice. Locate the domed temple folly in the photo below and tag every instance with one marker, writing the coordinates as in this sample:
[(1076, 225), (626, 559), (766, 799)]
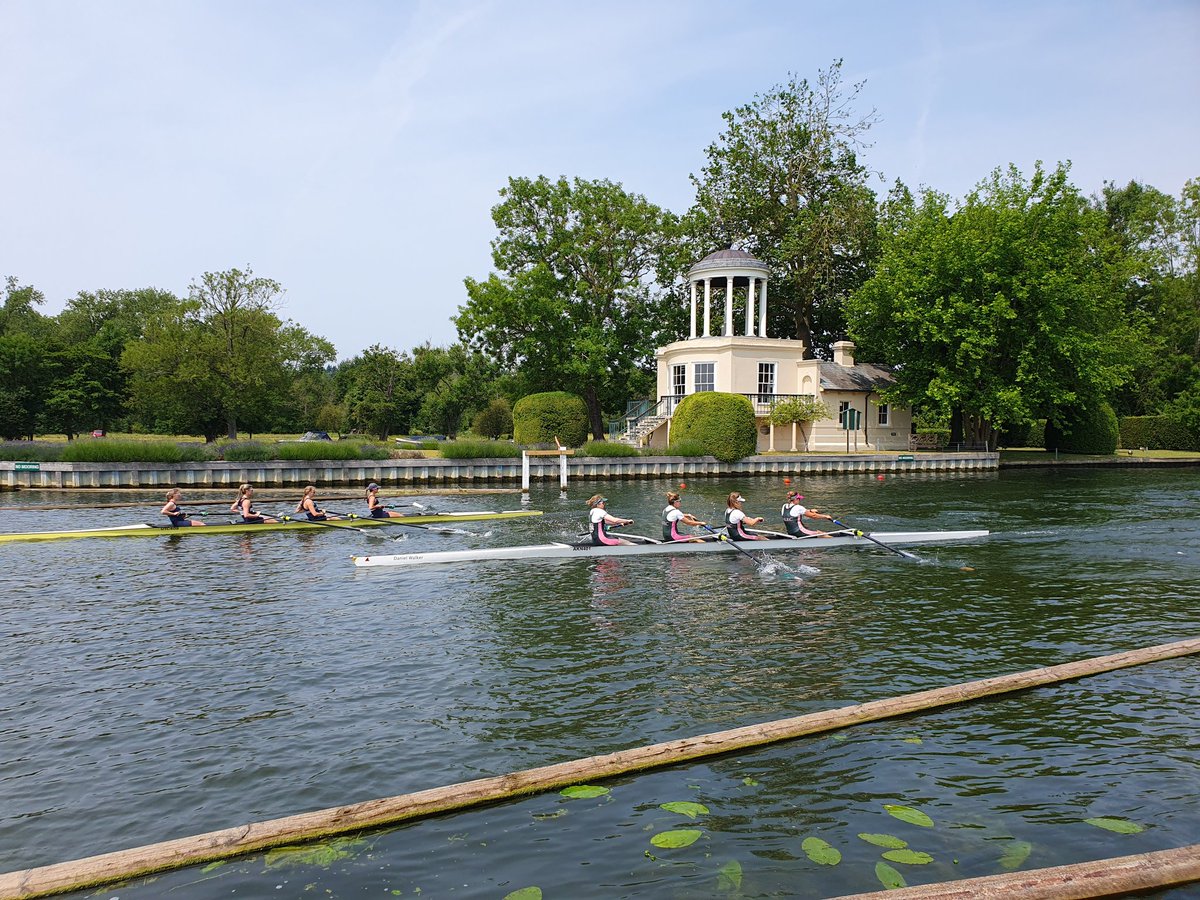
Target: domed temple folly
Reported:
[(767, 370)]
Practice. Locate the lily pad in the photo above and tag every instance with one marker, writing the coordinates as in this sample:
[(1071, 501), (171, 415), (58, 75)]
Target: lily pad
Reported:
[(584, 791), (526, 893), (685, 808), (672, 840), (819, 851), (1015, 854), (909, 815), (889, 877), (884, 840), (911, 857), (1120, 826), (729, 877)]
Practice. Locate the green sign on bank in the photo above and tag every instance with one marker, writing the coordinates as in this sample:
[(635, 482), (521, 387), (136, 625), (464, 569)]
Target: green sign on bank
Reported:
[(27, 467), (904, 458)]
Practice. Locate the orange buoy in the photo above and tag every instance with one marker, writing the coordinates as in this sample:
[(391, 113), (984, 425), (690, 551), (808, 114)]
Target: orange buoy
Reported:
[(683, 485), (787, 481)]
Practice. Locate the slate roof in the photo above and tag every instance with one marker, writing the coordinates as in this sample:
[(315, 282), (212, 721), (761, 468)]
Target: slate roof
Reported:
[(860, 377)]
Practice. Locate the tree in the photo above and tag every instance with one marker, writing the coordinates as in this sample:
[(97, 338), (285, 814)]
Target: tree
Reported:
[(784, 182), (456, 382), (575, 307), (799, 411), (381, 395), (23, 368), (86, 388), (1004, 311), (221, 358)]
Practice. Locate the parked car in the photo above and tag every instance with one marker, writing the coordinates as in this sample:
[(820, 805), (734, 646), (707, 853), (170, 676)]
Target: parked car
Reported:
[(99, 432), (316, 436)]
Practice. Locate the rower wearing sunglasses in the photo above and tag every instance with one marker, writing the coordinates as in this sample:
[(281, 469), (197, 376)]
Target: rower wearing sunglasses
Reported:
[(599, 518)]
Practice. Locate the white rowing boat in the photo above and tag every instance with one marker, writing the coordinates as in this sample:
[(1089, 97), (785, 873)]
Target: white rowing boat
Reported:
[(562, 550)]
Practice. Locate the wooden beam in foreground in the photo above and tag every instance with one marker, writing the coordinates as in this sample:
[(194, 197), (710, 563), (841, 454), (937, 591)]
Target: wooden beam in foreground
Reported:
[(230, 842), (1099, 878)]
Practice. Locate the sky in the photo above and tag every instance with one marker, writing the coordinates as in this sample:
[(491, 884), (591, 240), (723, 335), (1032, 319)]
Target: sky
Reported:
[(353, 151)]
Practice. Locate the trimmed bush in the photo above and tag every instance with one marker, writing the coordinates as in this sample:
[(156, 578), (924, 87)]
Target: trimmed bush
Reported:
[(1088, 431), (722, 423), (608, 448), (540, 418), (1156, 433), (131, 451), (245, 451), (479, 450), (30, 451), (494, 421), (681, 448), (321, 450)]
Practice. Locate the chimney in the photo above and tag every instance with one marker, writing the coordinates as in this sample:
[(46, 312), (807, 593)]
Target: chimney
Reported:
[(843, 353)]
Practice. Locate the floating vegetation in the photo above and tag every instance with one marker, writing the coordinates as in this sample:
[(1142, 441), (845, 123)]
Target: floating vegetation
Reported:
[(820, 851), (909, 815), (542, 817), (884, 840), (1015, 854), (729, 877), (672, 840), (751, 782), (685, 808), (1120, 826), (584, 791), (888, 876), (912, 740), (909, 857), (526, 893), (213, 865), (320, 855)]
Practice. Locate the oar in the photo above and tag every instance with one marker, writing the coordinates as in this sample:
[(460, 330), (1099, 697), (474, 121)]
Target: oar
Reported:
[(734, 545), (860, 533), (396, 520)]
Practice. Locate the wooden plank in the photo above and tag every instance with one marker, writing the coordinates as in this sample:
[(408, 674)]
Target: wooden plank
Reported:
[(124, 864), (1098, 878)]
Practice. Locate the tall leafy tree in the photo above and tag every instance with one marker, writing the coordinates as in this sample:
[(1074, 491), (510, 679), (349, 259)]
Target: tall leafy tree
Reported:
[(784, 182), (222, 359), (575, 305), (381, 394), (24, 374), (1003, 310)]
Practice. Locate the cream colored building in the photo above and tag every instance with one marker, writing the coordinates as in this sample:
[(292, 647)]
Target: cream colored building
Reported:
[(766, 370)]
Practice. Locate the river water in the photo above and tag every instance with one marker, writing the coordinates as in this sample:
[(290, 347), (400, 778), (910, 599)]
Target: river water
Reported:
[(157, 688)]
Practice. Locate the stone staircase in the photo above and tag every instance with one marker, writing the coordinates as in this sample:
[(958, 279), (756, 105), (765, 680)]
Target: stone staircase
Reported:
[(640, 430)]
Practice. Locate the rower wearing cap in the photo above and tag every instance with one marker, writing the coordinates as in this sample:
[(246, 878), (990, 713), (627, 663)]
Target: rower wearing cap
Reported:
[(794, 511), (736, 520), (673, 517), (599, 516), (378, 511)]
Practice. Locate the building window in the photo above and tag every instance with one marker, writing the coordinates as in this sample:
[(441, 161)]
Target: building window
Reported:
[(766, 378), (842, 407), (678, 380), (883, 413), (706, 377)]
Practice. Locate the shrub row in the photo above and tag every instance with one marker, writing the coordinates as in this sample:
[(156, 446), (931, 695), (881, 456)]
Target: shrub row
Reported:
[(1156, 433)]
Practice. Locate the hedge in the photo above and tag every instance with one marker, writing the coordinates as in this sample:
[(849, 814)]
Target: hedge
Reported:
[(723, 424), (107, 450), (1156, 433), (540, 418), (1092, 430), (479, 450), (607, 448)]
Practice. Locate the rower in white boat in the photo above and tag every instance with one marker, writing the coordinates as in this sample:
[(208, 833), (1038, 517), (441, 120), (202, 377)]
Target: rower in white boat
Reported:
[(673, 517), (794, 511), (599, 517)]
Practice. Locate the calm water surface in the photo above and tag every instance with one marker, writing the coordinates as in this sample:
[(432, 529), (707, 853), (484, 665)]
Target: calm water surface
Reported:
[(156, 688)]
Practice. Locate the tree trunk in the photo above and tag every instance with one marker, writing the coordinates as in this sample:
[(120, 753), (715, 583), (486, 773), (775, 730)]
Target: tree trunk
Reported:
[(956, 427), (231, 428), (595, 414)]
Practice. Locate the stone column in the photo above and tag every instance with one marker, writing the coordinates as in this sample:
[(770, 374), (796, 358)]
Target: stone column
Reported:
[(707, 306), (728, 306), (750, 307), (762, 309), (693, 334)]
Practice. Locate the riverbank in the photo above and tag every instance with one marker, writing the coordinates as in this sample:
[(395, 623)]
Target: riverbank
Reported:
[(422, 472), (286, 473)]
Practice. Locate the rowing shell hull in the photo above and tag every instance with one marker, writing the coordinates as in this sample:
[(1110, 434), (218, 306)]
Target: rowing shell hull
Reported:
[(576, 551), (144, 530)]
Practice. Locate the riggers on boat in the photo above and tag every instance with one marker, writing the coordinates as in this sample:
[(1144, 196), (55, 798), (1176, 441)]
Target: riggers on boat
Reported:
[(145, 530), (576, 551)]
